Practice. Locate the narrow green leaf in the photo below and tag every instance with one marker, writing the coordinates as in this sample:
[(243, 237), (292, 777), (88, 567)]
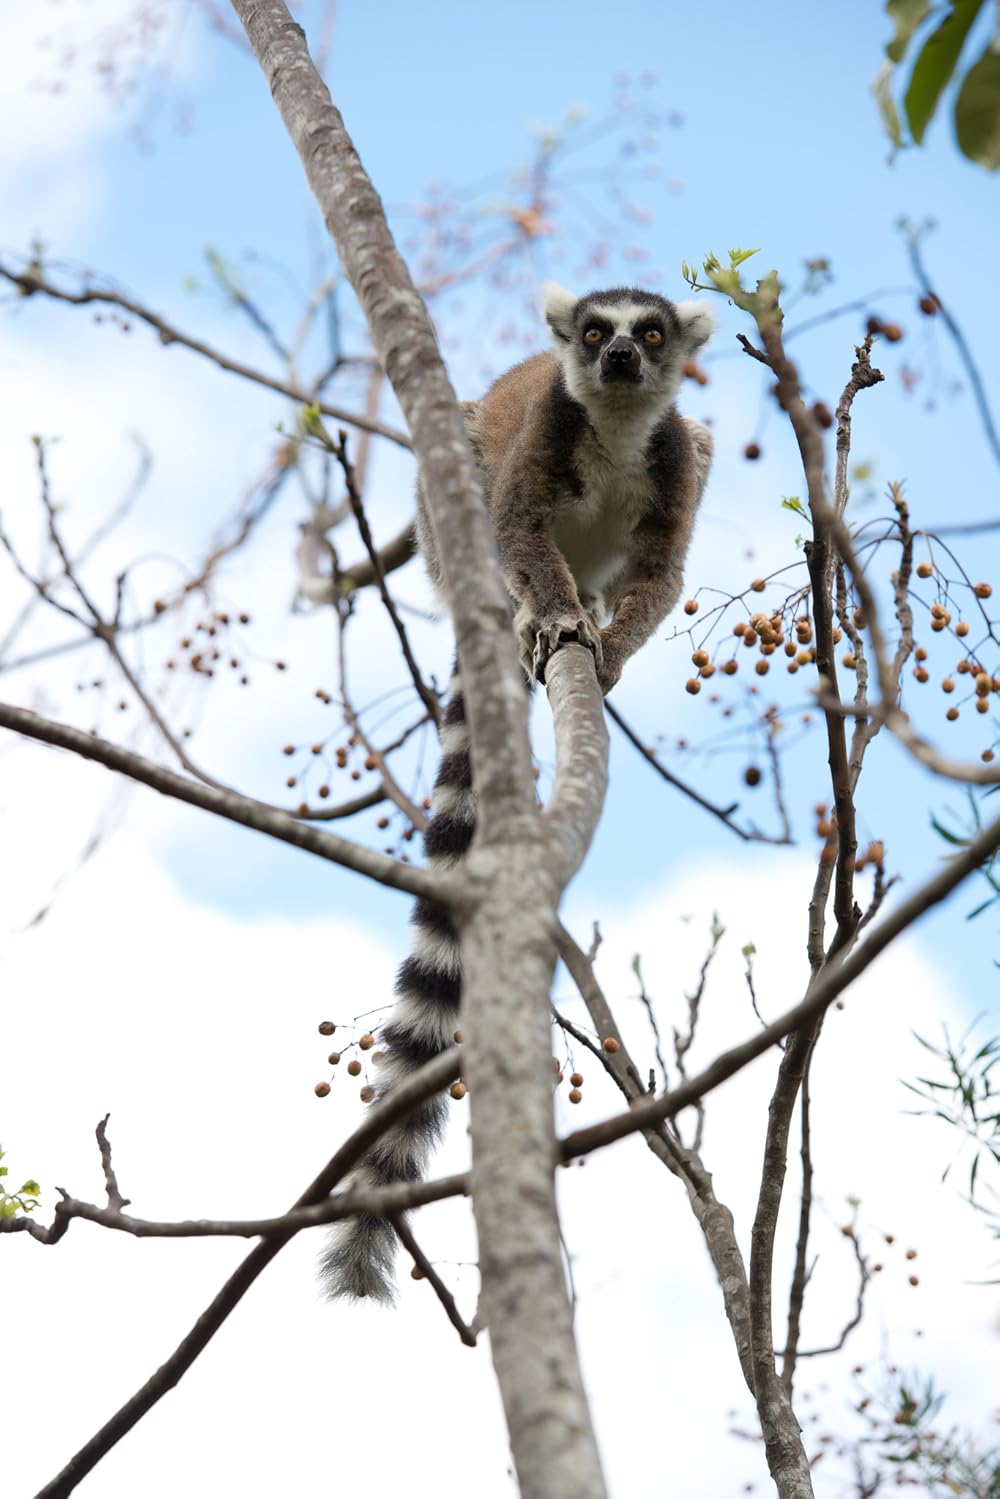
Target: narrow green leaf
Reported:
[(886, 104), (944, 833), (906, 16), (936, 63), (977, 112)]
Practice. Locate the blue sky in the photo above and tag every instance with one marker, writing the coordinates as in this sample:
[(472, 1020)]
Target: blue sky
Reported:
[(779, 146)]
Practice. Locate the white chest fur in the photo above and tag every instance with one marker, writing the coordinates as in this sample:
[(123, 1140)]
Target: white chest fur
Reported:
[(593, 530)]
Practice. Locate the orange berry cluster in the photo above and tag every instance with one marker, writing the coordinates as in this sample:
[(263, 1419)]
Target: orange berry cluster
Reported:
[(765, 633), (209, 654), (341, 755), (980, 683), (350, 757), (366, 1043), (575, 1081)]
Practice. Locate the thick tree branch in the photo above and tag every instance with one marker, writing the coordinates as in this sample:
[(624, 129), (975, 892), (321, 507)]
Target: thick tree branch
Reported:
[(507, 928), (574, 808)]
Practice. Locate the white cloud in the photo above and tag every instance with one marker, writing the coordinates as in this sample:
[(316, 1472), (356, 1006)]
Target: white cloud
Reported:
[(198, 1032)]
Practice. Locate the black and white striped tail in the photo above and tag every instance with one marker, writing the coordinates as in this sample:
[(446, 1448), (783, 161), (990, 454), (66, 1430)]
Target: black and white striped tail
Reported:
[(358, 1260)]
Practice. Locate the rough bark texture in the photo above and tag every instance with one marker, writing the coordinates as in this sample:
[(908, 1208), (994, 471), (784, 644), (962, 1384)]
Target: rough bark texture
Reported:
[(507, 921)]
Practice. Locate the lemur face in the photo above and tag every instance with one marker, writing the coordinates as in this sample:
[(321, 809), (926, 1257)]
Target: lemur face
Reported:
[(624, 340)]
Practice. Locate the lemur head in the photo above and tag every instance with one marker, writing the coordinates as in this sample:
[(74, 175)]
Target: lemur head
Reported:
[(624, 345)]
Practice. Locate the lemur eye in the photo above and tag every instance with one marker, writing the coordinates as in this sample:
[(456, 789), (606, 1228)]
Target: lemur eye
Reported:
[(652, 336), (593, 336)]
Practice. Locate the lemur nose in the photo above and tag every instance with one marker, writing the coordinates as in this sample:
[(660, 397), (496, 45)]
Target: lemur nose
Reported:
[(621, 351)]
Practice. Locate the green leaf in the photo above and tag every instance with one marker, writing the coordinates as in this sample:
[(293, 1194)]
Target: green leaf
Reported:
[(977, 112), (886, 104), (312, 425), (906, 16), (948, 836), (936, 63), (30, 1189), (737, 257)]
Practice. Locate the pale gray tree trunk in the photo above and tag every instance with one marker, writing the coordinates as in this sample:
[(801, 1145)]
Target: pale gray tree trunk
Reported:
[(519, 863)]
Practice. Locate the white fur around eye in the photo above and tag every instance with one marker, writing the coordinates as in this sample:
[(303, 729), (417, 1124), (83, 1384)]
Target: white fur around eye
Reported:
[(697, 322)]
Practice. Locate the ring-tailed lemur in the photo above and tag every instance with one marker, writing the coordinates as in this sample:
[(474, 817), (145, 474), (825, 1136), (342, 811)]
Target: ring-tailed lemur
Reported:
[(592, 479)]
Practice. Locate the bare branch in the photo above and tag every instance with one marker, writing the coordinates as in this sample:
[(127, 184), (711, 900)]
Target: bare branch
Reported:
[(115, 1199), (232, 805), (428, 1272), (574, 808), (724, 814), (381, 1202), (864, 1276), (32, 282), (506, 932), (964, 352), (800, 1271), (406, 1096), (835, 978), (427, 697)]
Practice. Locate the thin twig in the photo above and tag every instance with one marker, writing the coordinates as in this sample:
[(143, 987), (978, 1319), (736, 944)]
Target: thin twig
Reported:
[(427, 697), (407, 1095), (828, 986), (232, 805), (428, 1272), (800, 1272), (32, 282), (115, 1199), (958, 338), (724, 814), (864, 1276)]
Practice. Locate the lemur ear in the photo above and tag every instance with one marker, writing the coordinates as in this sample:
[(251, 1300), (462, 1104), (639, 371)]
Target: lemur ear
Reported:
[(558, 306), (697, 322)]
